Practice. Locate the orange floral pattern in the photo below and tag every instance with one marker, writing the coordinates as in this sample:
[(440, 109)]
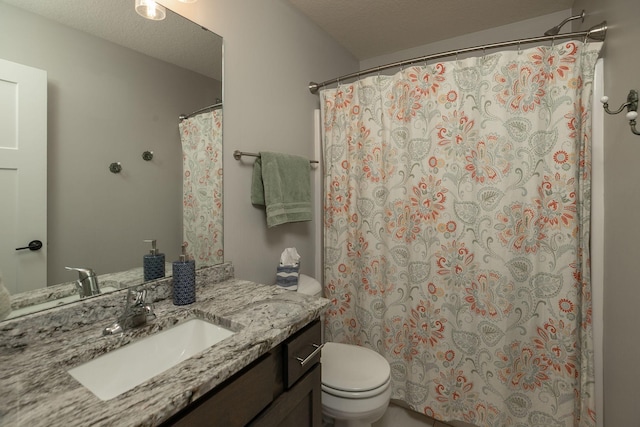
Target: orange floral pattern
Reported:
[(457, 233), (201, 137)]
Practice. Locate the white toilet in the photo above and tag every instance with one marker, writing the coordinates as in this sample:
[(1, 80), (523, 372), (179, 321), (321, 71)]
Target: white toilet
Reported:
[(356, 381)]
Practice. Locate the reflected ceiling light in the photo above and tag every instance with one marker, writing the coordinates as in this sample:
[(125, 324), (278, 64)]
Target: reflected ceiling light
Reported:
[(187, 1), (151, 10)]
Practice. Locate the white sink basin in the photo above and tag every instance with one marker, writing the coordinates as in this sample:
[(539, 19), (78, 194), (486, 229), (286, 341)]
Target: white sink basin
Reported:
[(121, 370)]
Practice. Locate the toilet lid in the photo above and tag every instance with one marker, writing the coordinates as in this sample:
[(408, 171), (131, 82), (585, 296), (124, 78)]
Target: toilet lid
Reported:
[(352, 368)]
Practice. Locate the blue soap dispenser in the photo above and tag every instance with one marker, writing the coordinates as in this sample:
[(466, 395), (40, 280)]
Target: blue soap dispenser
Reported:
[(184, 280), (153, 263)]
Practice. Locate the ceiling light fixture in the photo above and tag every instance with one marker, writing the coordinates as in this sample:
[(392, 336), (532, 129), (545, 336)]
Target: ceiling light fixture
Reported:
[(151, 10), (187, 1)]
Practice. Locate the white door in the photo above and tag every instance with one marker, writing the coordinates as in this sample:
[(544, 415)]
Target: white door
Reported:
[(23, 176)]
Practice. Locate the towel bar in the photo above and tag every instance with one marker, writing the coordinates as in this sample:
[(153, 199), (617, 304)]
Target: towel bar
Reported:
[(238, 155)]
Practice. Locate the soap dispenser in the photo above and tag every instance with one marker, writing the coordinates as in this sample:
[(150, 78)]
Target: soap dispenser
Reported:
[(184, 280), (153, 263)]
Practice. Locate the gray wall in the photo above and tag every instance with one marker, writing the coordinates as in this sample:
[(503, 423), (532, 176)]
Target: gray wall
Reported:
[(106, 104), (622, 204), (271, 54), (517, 30)]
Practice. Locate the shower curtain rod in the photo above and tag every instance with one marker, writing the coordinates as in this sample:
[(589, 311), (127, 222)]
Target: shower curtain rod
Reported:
[(597, 33), (210, 107)]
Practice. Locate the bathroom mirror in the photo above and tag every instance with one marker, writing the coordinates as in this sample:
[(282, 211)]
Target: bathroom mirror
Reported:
[(116, 86)]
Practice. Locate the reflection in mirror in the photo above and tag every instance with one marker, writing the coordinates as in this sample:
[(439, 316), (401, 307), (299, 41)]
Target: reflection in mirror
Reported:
[(116, 85)]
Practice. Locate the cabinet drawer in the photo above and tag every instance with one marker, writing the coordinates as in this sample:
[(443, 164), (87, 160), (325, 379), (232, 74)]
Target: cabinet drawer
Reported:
[(301, 352)]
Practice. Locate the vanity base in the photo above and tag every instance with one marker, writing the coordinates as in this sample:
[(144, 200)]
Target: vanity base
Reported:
[(265, 394)]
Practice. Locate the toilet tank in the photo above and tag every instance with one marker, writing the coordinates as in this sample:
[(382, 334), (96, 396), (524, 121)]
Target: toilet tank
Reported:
[(309, 286)]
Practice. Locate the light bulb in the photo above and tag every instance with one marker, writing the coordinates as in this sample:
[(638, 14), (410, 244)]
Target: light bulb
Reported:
[(151, 10)]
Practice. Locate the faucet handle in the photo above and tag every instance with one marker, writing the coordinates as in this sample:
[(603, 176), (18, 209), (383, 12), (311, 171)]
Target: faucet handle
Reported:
[(148, 308), (87, 282), (140, 297), (139, 300)]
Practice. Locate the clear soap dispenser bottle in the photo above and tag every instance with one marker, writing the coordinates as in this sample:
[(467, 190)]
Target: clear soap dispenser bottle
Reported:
[(153, 263), (184, 280)]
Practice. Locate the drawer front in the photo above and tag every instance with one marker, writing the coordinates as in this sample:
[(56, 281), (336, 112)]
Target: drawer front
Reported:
[(302, 352)]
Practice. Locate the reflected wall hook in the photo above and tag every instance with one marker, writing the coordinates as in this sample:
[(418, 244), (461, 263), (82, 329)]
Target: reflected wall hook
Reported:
[(115, 167), (632, 109)]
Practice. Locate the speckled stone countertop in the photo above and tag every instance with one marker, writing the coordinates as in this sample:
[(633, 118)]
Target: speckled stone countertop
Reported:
[(118, 280), (37, 350)]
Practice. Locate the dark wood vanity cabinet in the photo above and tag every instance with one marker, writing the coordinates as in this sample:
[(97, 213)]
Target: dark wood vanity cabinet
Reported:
[(281, 389)]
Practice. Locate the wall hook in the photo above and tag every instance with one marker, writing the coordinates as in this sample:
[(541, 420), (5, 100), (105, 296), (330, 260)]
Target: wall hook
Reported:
[(115, 167), (632, 109)]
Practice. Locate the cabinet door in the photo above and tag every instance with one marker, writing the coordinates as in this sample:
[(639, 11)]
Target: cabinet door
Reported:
[(300, 406), (235, 402)]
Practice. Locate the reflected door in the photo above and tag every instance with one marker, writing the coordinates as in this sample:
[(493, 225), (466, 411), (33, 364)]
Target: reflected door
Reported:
[(23, 176)]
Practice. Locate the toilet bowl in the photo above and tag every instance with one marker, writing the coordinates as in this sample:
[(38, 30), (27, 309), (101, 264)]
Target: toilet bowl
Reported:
[(356, 381), (356, 384)]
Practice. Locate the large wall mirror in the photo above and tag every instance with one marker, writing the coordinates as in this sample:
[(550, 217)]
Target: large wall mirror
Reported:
[(116, 86)]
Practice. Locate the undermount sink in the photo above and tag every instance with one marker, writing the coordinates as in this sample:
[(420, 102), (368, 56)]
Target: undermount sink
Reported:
[(121, 370)]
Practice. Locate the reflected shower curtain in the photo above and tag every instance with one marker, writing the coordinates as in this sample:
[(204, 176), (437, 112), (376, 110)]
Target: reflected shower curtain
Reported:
[(201, 137), (456, 233)]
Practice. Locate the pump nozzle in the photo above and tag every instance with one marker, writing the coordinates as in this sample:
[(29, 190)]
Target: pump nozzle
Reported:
[(154, 250)]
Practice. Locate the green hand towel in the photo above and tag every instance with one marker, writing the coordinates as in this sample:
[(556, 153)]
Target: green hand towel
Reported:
[(282, 183)]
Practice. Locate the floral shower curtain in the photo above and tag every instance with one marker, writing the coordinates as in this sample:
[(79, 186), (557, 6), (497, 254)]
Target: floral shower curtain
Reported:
[(456, 232), (201, 137)]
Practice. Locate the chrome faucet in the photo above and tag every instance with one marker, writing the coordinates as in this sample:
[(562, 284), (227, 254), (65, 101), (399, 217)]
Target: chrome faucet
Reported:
[(87, 282), (136, 313)]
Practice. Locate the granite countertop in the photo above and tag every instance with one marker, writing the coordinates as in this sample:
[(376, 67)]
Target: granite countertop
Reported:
[(53, 294), (37, 350)]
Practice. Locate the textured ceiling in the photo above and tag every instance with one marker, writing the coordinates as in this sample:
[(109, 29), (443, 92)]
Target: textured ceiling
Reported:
[(171, 40), (369, 28)]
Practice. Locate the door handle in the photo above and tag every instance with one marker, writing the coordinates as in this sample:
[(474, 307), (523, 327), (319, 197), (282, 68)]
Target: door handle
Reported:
[(34, 245)]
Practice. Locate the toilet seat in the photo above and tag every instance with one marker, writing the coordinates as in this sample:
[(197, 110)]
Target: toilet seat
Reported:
[(353, 372), (356, 394)]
